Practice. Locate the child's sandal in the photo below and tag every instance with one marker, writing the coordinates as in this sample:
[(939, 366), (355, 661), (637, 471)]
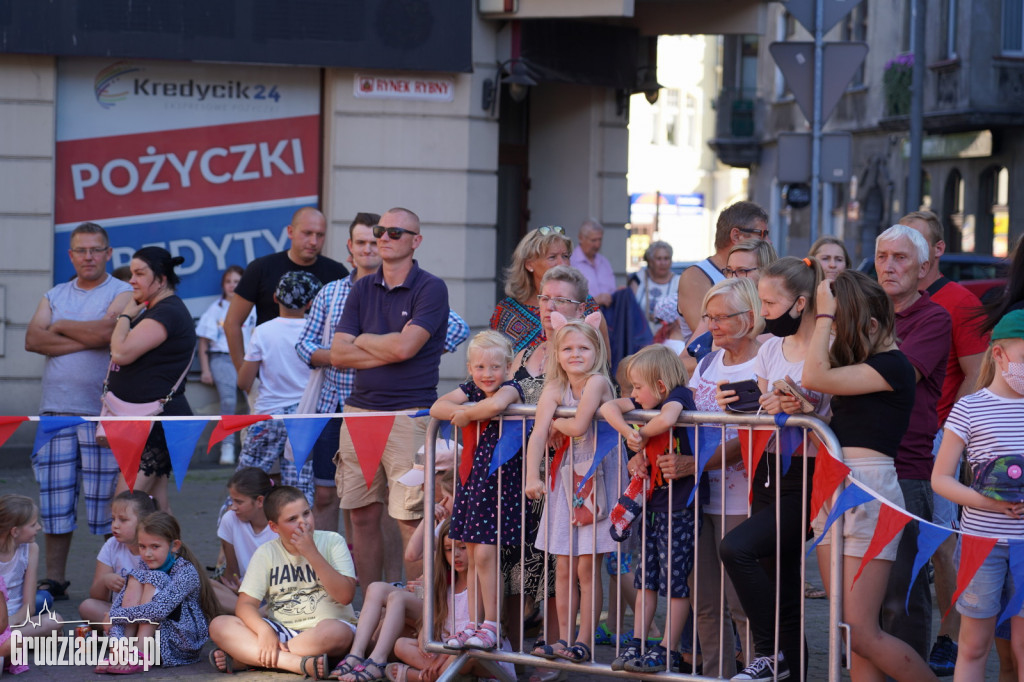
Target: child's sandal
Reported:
[(545, 650), (458, 640), (347, 665), (577, 653), (484, 638), (231, 666), (319, 671), (396, 672), (368, 671)]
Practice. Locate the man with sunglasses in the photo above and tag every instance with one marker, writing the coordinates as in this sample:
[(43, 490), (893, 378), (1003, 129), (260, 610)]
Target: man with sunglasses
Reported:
[(392, 333), (71, 328), (743, 220), (307, 231)]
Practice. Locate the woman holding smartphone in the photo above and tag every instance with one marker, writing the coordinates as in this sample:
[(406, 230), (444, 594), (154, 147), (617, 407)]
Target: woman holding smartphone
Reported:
[(749, 551)]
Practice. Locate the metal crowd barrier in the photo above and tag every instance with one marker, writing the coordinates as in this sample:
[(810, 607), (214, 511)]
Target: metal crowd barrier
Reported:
[(720, 420)]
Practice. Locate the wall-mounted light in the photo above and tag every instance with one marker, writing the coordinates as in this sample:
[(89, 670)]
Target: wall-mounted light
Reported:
[(647, 83), (519, 82)]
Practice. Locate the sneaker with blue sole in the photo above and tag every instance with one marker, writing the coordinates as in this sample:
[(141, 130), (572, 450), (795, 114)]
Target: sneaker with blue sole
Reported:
[(942, 660)]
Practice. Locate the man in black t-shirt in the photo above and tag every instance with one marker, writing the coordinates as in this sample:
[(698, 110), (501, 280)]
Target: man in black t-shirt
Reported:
[(307, 232)]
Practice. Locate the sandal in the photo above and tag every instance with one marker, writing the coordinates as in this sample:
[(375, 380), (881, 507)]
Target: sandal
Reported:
[(396, 672), (485, 638), (57, 590), (229, 663), (317, 674), (602, 637), (367, 671), (577, 653), (458, 640), (545, 650), (812, 592), (347, 665)]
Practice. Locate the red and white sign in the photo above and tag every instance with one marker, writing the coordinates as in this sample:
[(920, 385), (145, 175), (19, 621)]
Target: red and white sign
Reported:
[(391, 86)]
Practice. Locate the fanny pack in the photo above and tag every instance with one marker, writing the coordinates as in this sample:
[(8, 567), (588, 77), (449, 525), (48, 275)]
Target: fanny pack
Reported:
[(1002, 478), (112, 406)]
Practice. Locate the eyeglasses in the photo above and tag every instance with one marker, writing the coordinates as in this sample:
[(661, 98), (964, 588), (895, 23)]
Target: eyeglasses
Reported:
[(738, 272), (557, 300), (761, 234), (394, 233), (545, 230), (95, 251), (720, 319)]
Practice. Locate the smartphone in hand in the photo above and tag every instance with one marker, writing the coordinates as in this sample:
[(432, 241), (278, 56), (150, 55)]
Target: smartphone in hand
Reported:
[(789, 387), (749, 394)]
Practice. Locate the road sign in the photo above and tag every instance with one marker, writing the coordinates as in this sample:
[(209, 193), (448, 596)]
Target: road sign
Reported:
[(794, 157), (796, 60), (803, 11)]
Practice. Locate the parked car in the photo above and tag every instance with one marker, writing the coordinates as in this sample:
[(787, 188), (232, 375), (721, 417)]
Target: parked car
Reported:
[(982, 274)]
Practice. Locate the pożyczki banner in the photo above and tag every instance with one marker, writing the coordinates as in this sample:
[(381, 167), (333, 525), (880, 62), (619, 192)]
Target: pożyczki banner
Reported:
[(206, 160)]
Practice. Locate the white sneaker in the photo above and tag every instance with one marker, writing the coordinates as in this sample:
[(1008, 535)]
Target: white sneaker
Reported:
[(764, 668), (227, 451)]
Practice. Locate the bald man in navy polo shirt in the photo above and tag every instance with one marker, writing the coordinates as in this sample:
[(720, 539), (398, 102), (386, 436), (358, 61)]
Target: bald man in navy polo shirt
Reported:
[(392, 333)]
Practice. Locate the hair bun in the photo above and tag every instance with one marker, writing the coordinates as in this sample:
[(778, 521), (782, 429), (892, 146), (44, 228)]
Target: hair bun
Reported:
[(177, 260)]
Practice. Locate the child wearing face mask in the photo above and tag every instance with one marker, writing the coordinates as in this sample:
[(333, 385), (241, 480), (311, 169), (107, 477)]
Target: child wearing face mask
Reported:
[(987, 424)]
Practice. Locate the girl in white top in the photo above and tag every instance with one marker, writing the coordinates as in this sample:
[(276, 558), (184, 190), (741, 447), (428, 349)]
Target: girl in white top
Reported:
[(241, 530), (119, 555), (987, 423), (19, 564)]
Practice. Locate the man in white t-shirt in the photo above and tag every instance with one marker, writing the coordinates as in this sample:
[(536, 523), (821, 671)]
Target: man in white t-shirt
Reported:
[(283, 378)]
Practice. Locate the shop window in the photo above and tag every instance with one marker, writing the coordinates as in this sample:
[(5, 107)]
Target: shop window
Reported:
[(1013, 27)]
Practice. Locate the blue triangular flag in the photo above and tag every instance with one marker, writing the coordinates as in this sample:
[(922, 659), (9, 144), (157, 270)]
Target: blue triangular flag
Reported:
[(509, 443), (445, 430), (710, 438), (790, 438), (50, 425), (302, 434), (181, 436), (608, 439), (425, 412), (929, 537), (850, 497), (1016, 602)]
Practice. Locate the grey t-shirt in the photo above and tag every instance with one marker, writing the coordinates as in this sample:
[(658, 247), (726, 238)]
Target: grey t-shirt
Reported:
[(73, 382)]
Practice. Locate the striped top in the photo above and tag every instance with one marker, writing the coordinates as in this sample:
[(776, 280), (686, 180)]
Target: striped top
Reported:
[(990, 426)]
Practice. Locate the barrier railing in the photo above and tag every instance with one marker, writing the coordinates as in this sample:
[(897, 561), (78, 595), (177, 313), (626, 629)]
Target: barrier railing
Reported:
[(721, 422)]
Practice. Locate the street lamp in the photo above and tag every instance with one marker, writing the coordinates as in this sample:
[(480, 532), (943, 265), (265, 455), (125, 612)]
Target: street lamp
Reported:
[(518, 80)]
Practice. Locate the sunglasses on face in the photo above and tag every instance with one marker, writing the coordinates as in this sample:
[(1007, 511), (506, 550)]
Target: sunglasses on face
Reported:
[(545, 230), (394, 233), (761, 234)]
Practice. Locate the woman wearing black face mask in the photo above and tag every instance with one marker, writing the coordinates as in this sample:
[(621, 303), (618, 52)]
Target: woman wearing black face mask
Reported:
[(786, 290)]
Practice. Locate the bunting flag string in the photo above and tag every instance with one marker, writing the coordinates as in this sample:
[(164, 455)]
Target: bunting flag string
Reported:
[(182, 437), (509, 442), (1016, 602), (232, 423), (973, 551), (789, 441), (470, 436), (929, 538), (556, 460), (890, 522), (302, 435), (708, 438), (656, 445), (851, 497), (752, 445), (127, 440), (829, 472), (608, 440), (50, 425), (8, 425), (369, 443)]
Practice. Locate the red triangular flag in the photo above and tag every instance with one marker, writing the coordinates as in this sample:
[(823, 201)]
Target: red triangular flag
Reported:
[(369, 437), (556, 461), (470, 432), (973, 552), (127, 440), (828, 474), (656, 447), (8, 425), (890, 522), (231, 423), (752, 445)]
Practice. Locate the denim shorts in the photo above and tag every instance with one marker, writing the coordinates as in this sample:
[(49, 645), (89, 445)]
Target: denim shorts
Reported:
[(983, 596)]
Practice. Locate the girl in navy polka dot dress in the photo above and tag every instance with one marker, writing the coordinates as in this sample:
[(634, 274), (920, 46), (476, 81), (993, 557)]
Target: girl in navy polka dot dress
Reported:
[(475, 516)]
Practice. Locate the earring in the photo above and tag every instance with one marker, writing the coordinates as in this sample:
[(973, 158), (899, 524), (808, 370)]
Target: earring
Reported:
[(530, 270)]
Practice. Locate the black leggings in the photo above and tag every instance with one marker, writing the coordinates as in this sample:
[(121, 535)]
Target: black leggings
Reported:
[(748, 554)]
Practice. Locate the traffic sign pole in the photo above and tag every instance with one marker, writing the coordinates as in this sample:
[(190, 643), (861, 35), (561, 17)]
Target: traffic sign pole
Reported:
[(819, 70)]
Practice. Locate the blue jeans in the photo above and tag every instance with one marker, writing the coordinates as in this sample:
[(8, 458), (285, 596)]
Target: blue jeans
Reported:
[(913, 626)]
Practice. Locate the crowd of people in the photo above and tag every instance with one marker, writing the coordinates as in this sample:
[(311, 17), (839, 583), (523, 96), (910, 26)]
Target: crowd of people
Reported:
[(912, 374)]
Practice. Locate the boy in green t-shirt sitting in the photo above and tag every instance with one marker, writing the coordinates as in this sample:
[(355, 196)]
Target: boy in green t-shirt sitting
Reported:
[(308, 580)]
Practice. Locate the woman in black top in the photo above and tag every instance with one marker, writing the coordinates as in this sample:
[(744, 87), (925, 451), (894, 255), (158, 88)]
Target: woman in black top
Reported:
[(872, 387), (151, 347)]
